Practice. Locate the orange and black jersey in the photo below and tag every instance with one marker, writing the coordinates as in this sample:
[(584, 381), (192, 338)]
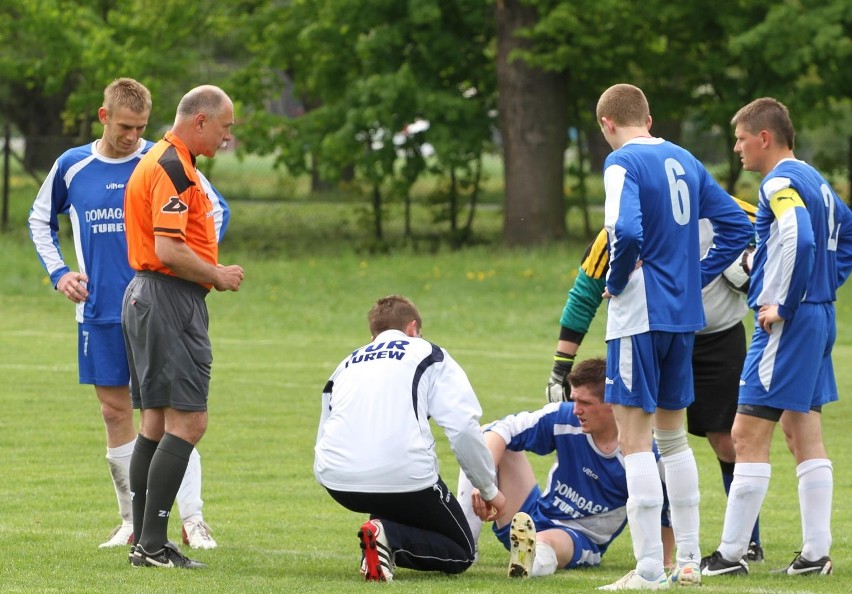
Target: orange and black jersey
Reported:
[(164, 196)]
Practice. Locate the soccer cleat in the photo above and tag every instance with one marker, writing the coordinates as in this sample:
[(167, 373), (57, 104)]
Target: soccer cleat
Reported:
[(121, 536), (716, 564), (521, 546), (801, 566), (754, 553), (196, 534), (169, 556), (688, 574), (634, 581), (376, 556)]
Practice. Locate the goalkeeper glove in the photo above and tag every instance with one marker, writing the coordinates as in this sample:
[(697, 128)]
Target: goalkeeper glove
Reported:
[(558, 382)]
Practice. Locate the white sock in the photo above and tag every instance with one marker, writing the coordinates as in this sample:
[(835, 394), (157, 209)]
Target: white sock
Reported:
[(465, 487), (816, 483), (684, 497), (644, 508), (188, 499), (748, 489), (118, 460), (545, 560)]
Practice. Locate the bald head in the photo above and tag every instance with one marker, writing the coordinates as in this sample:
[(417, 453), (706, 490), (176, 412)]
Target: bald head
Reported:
[(204, 119), (207, 99)]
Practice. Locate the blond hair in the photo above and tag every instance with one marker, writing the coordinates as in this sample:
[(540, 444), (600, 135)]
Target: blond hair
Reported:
[(129, 93)]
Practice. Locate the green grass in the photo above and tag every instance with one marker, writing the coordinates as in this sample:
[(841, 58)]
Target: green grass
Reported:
[(275, 343), (302, 308)]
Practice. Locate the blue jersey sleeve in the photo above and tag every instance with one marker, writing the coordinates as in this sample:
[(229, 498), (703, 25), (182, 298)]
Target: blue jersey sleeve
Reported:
[(626, 233), (843, 232), (51, 201), (798, 248), (528, 431)]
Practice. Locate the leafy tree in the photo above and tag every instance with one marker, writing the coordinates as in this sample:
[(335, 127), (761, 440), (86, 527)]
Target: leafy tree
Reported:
[(697, 63), (364, 70), (59, 55)]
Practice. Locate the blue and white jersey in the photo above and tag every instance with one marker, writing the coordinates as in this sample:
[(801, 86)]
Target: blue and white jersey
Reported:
[(374, 434), (89, 188), (804, 234), (586, 489), (656, 192)]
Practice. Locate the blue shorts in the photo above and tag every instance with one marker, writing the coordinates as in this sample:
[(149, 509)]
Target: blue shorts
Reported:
[(650, 370), (101, 357), (791, 368), (586, 553)]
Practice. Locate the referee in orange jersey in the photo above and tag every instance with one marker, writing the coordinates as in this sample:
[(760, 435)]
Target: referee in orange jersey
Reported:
[(172, 246)]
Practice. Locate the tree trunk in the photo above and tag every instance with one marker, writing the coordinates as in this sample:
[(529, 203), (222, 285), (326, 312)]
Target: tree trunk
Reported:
[(533, 119), (38, 118)]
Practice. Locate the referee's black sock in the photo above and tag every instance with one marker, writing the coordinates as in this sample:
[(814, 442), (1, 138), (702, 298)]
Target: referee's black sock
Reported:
[(164, 478), (727, 474), (140, 462)]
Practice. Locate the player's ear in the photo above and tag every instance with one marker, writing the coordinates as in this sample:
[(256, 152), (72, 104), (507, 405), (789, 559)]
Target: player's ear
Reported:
[(412, 329)]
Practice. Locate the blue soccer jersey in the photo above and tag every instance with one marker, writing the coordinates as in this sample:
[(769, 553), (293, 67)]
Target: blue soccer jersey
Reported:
[(586, 489), (655, 194), (801, 227), (89, 188), (804, 242)]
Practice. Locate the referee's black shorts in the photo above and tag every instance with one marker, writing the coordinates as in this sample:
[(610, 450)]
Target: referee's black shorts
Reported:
[(717, 361)]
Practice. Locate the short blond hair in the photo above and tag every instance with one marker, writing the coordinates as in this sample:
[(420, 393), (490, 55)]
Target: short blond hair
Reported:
[(393, 312), (129, 93), (624, 104), (769, 114)]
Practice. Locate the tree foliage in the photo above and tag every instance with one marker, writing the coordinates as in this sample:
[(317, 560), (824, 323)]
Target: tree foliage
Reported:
[(60, 54), (363, 70), (329, 86)]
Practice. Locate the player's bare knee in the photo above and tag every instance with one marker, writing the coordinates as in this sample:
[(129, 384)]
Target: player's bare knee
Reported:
[(116, 417)]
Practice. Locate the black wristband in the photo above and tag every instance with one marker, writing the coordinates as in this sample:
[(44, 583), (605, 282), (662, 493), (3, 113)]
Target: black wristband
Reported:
[(562, 363)]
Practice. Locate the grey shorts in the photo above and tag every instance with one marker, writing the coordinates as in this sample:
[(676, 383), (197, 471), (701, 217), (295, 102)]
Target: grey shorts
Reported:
[(164, 320)]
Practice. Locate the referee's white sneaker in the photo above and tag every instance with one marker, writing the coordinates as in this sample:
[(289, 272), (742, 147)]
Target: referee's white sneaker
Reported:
[(121, 536), (634, 581), (196, 534), (521, 546), (376, 556)]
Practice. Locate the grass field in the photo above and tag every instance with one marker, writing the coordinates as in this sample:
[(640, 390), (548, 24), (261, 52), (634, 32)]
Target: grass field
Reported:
[(275, 343)]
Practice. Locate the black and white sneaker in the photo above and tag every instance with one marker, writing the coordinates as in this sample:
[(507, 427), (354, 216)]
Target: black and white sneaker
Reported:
[(801, 566), (754, 553), (169, 556), (716, 564)]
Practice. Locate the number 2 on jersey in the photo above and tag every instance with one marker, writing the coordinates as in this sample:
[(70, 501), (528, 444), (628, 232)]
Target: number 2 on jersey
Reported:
[(828, 199)]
